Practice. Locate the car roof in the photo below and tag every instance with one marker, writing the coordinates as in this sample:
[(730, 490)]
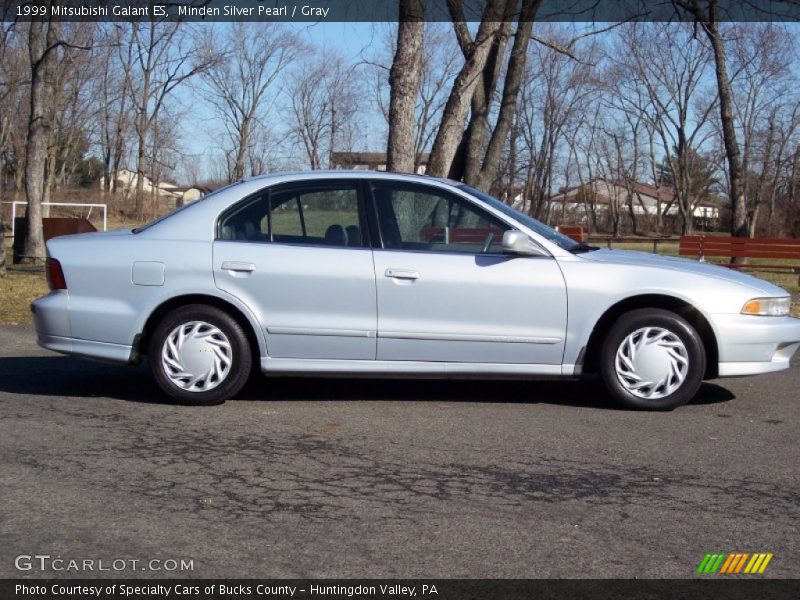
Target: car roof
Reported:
[(199, 215), (358, 173)]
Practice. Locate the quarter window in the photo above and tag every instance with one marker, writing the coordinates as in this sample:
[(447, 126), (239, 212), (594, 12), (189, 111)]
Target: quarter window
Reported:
[(325, 215), (420, 218)]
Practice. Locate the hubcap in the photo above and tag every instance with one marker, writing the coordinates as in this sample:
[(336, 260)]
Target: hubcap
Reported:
[(652, 363), (196, 356)]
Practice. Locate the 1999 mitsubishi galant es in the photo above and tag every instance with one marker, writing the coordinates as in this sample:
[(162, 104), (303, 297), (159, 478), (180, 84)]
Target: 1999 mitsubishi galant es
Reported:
[(363, 273)]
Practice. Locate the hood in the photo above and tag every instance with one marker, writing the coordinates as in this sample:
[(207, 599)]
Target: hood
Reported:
[(644, 259)]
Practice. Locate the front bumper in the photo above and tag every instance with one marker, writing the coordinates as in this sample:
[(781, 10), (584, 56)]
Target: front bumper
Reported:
[(750, 345)]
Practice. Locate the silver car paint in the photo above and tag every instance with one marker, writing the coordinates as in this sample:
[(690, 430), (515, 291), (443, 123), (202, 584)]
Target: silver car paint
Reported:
[(442, 315), (319, 309), (313, 302)]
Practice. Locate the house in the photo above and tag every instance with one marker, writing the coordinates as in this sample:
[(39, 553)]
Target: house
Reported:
[(125, 181), (373, 161), (191, 193), (648, 198)]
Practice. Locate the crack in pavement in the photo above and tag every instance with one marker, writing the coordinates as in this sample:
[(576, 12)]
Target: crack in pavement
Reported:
[(252, 475)]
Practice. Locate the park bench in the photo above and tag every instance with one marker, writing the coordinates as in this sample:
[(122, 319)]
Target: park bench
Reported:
[(767, 250), (576, 232)]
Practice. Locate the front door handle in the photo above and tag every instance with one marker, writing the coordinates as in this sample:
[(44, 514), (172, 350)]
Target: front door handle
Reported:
[(241, 267), (401, 273)]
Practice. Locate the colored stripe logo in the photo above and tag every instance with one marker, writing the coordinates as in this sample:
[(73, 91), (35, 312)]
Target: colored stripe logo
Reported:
[(734, 563)]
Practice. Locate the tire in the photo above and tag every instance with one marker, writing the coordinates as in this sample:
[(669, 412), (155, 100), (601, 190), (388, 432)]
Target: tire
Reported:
[(199, 355), (652, 359)]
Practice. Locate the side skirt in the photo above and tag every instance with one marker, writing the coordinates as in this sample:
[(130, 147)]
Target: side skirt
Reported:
[(435, 370)]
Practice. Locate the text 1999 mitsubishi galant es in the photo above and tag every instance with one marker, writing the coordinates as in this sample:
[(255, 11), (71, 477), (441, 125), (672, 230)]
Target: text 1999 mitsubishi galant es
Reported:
[(378, 274)]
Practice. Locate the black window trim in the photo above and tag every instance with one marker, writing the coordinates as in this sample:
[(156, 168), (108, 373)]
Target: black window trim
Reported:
[(449, 194), (321, 184)]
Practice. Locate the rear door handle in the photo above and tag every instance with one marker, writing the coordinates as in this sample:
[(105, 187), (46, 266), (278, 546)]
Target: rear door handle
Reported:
[(242, 267), (401, 273)]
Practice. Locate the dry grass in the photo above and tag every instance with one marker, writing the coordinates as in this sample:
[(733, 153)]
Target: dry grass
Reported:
[(17, 289)]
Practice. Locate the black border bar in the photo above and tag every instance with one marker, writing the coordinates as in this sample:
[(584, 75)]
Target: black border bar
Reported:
[(713, 587), (376, 11)]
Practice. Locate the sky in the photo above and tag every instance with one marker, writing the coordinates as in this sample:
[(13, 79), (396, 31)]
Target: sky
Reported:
[(352, 40)]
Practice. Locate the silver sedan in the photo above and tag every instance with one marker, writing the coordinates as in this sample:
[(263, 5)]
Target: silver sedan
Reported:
[(377, 274)]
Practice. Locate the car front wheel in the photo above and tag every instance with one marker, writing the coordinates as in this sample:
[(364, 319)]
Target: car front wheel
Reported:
[(652, 359), (199, 355)]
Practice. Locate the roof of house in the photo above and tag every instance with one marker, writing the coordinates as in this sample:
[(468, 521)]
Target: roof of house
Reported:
[(664, 194)]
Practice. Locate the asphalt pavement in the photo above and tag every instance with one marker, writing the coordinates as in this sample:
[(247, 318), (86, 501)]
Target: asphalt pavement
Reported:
[(385, 478)]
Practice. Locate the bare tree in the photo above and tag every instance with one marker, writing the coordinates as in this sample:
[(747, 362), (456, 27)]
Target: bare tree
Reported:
[(439, 65), (74, 104), (8, 83), (707, 18), (763, 86), (116, 65), (404, 80), (165, 56), (557, 93), (485, 176), (241, 83), (468, 158), (43, 41), (451, 128), (658, 73), (323, 98)]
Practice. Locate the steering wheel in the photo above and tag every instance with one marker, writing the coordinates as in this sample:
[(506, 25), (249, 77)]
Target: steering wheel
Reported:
[(487, 243)]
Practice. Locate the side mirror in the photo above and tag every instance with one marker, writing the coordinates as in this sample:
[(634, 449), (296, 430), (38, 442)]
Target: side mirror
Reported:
[(516, 242)]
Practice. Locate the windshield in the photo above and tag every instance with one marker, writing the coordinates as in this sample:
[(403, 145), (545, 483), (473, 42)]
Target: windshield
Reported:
[(546, 232)]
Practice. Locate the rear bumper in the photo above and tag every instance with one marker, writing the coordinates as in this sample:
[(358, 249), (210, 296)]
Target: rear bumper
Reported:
[(751, 345), (98, 350), (51, 319)]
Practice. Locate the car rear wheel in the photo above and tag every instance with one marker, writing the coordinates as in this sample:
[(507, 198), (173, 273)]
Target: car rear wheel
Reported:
[(652, 359), (199, 355)]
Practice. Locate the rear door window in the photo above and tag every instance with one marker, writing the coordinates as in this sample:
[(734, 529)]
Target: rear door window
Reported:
[(324, 214)]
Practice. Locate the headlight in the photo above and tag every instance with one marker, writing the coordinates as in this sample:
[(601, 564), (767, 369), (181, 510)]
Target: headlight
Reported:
[(768, 307)]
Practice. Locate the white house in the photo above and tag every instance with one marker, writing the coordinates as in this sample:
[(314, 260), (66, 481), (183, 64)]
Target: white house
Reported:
[(125, 181), (603, 194)]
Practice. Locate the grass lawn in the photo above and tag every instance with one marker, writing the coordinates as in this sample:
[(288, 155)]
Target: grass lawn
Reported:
[(17, 289), (22, 285)]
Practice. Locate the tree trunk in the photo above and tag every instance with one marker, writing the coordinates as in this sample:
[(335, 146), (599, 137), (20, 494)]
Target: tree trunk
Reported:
[(2, 227), (738, 201), (42, 38), (4, 121), (141, 157), (508, 105), (467, 163), (404, 79), (451, 129), (244, 134), (142, 126)]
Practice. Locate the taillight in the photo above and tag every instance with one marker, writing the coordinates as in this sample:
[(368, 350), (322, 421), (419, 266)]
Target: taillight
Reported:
[(55, 274)]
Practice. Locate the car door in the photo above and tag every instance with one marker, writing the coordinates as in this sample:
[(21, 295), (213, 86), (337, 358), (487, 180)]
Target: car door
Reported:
[(446, 292), (299, 256)]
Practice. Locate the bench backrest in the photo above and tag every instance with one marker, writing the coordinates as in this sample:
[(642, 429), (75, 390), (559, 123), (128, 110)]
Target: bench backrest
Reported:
[(576, 232), (461, 235), (739, 247)]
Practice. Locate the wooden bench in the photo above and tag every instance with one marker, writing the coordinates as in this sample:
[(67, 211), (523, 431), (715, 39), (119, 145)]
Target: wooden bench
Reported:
[(637, 239), (575, 232), (460, 235), (770, 249)]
